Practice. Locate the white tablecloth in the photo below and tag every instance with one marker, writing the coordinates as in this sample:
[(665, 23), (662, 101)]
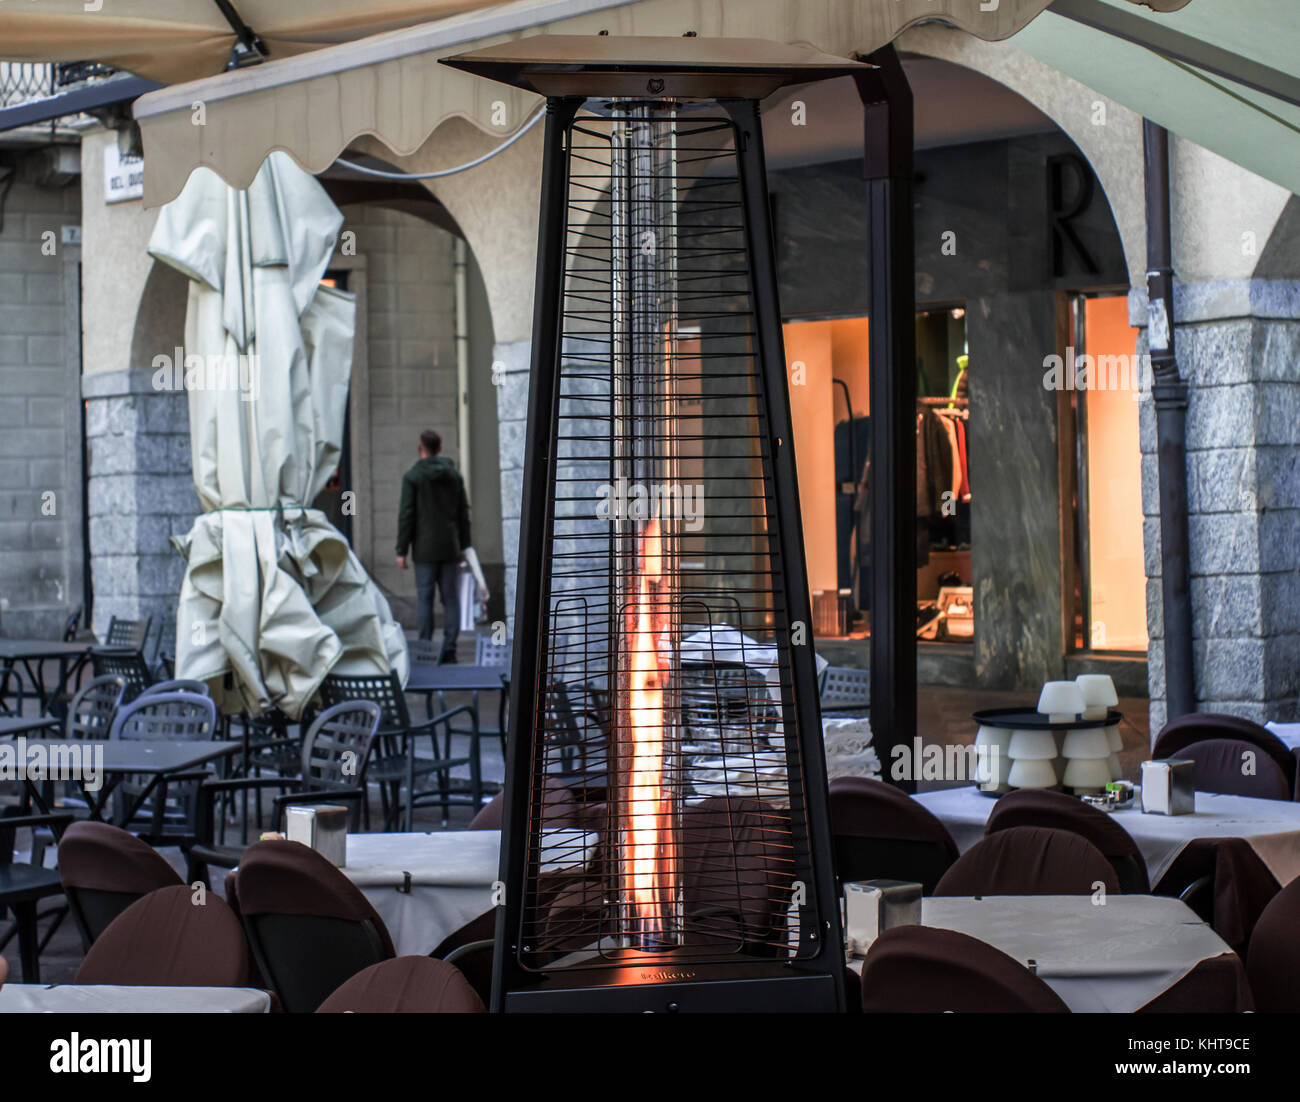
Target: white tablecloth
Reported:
[(71, 998), (1289, 733), (426, 886), (1112, 958), (1272, 827)]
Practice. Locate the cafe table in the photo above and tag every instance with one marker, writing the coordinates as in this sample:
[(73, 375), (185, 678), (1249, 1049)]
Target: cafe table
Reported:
[(426, 886), (32, 654), (1270, 827), (1130, 953), (73, 998), (26, 725), (102, 764)]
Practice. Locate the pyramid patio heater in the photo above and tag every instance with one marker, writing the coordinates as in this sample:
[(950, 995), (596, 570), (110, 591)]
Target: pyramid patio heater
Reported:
[(665, 837)]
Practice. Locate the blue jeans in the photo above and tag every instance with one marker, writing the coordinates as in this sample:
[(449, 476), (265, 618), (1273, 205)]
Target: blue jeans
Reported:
[(445, 577)]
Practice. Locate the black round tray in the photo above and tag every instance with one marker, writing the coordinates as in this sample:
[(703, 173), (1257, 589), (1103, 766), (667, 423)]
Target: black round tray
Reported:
[(1030, 719)]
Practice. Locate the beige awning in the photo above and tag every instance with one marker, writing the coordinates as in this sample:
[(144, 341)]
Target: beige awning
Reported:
[(176, 40), (392, 86), (1220, 73)]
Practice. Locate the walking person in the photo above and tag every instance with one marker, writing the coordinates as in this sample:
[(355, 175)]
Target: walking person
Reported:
[(433, 532)]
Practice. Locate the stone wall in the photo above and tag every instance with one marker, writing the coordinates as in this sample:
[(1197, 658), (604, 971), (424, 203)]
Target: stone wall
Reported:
[(41, 559), (140, 494), (1239, 350)]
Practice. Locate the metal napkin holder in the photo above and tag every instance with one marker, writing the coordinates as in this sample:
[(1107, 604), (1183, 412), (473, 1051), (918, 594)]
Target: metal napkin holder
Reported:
[(873, 906), (323, 827), (1169, 787)]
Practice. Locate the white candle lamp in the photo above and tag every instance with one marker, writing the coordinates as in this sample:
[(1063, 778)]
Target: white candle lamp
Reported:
[(1087, 774), (1032, 773), (993, 759), (1061, 701), (1032, 746), (1090, 743), (1098, 695)]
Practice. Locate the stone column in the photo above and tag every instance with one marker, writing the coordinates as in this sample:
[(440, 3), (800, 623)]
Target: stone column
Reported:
[(1239, 350), (141, 493)]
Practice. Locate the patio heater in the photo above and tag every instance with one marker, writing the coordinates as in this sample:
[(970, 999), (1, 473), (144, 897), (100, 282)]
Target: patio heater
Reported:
[(663, 664)]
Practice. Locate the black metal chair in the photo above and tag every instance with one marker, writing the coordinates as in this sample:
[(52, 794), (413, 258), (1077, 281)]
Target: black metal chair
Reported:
[(105, 869), (24, 884), (133, 634), (183, 685), (845, 689), (71, 626), (335, 756), (167, 717), (90, 715), (125, 662), (397, 764), (309, 927)]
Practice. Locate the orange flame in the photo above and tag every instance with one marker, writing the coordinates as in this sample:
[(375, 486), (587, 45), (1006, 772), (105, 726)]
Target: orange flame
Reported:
[(648, 873)]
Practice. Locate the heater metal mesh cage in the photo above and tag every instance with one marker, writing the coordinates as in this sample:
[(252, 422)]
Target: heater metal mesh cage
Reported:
[(664, 689)]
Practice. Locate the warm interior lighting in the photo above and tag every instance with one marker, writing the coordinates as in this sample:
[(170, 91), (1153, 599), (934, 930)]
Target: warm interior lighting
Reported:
[(649, 875)]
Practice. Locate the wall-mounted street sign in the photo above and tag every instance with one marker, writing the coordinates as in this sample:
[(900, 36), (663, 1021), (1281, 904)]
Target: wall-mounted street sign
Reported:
[(123, 176)]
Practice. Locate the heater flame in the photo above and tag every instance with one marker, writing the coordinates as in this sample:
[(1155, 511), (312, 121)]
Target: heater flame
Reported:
[(648, 873)]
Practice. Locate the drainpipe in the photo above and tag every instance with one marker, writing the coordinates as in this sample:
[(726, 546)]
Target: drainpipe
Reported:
[(1169, 393), (460, 284)]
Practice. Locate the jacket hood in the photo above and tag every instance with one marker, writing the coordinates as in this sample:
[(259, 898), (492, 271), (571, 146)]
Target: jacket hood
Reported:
[(436, 468)]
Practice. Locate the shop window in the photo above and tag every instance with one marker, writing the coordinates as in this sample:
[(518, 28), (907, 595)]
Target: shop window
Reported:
[(1101, 380), (831, 411)]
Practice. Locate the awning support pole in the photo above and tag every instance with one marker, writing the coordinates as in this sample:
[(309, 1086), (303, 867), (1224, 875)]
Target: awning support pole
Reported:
[(887, 98), (1169, 394)]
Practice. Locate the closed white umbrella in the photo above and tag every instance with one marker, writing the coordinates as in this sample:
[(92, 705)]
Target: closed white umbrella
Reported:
[(273, 593)]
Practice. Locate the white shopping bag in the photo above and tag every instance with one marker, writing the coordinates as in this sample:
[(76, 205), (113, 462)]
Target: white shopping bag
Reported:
[(468, 601)]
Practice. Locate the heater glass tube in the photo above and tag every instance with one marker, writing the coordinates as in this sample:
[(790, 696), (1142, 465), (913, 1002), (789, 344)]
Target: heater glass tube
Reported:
[(643, 218)]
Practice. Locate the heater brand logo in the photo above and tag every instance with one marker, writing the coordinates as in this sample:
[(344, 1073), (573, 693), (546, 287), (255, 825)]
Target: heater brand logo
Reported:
[(624, 500), (667, 975), (103, 1055), (920, 762)]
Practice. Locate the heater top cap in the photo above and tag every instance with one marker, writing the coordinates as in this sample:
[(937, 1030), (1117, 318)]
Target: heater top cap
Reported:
[(643, 65)]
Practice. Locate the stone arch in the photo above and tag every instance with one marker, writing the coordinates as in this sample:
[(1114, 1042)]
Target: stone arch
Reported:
[(1113, 149), (160, 316)]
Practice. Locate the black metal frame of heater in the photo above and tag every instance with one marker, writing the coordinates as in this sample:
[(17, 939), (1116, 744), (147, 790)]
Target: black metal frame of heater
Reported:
[(653, 982)]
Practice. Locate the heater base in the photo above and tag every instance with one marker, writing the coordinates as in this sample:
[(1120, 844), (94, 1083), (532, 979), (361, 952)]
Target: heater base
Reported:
[(760, 987)]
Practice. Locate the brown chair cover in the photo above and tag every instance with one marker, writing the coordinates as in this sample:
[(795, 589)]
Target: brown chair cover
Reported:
[(880, 832), (1220, 767), (1238, 885), (1178, 734), (1045, 808), (1274, 960), (105, 858), (559, 808), (1215, 986), (1029, 861), (736, 873), (165, 939), (864, 808), (405, 985), (288, 878), (926, 970)]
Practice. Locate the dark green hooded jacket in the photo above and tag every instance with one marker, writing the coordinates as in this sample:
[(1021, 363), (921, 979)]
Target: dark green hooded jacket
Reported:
[(433, 518)]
